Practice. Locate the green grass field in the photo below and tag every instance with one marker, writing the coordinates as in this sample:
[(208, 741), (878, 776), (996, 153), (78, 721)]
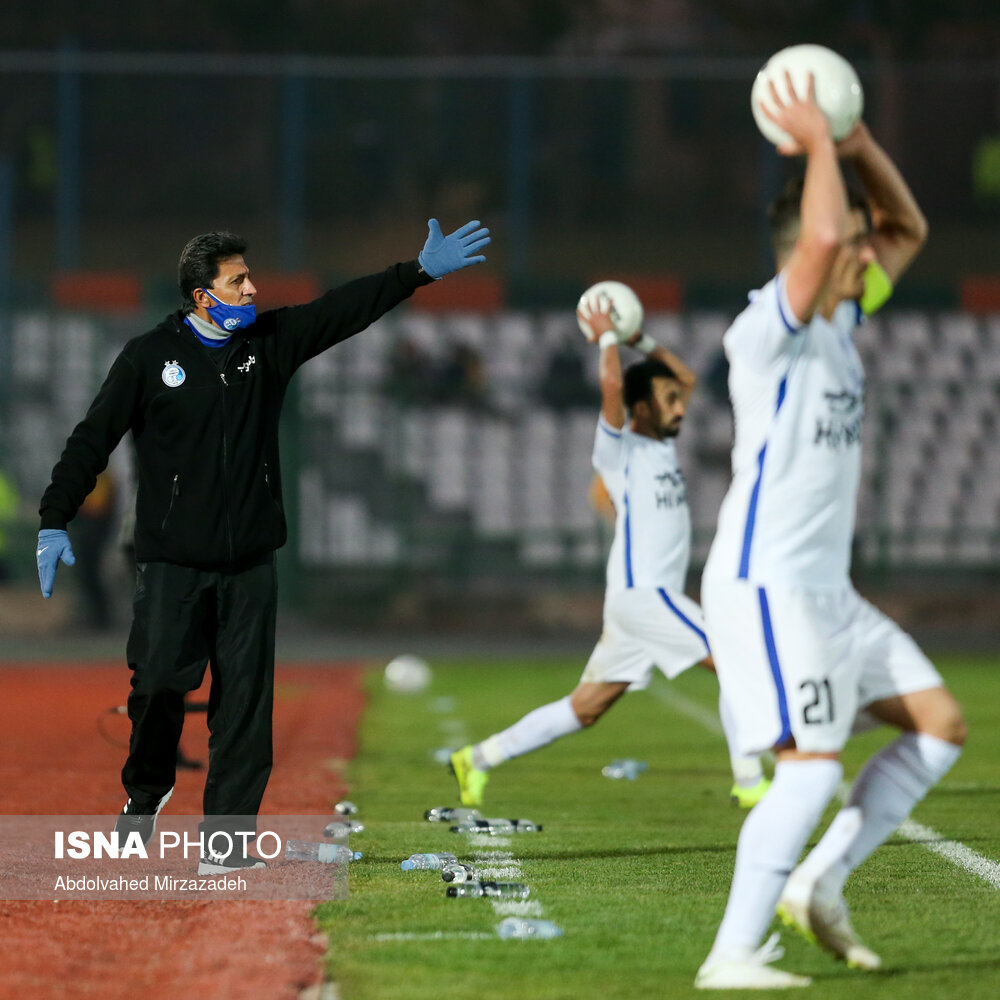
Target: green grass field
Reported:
[(636, 873)]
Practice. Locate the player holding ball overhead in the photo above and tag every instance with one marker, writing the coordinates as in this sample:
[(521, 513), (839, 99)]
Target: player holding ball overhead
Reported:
[(648, 619), (799, 653)]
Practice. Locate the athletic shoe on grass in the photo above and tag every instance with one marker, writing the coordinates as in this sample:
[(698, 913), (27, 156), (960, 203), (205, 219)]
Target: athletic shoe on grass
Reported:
[(748, 971), (471, 781), (822, 918), (747, 796), (138, 816)]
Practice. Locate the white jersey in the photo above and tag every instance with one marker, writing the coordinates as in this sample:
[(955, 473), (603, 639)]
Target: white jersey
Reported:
[(797, 395), (652, 543)]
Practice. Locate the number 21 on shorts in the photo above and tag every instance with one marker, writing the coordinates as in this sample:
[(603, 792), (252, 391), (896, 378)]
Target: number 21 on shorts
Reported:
[(819, 709)]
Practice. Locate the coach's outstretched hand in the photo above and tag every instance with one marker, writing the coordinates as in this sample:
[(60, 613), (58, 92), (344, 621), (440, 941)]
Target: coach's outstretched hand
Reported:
[(443, 254), (53, 545)]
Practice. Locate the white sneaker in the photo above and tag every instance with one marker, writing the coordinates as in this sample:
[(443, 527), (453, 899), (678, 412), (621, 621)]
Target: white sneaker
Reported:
[(219, 864), (822, 918), (749, 972)]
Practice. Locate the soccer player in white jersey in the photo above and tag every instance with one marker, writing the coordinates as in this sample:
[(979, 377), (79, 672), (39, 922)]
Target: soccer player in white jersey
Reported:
[(648, 620), (798, 652)]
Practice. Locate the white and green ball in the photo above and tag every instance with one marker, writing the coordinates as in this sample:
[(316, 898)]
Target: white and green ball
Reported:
[(838, 89), (626, 309), (407, 674)]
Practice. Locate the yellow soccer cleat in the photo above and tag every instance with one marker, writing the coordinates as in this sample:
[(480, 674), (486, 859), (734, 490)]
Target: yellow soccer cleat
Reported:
[(471, 780), (822, 918), (747, 797)]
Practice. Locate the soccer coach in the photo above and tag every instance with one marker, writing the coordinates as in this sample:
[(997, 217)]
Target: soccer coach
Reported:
[(202, 393)]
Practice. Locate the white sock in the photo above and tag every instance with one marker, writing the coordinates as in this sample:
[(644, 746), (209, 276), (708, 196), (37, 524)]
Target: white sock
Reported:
[(884, 794), (536, 729), (747, 771), (770, 843)]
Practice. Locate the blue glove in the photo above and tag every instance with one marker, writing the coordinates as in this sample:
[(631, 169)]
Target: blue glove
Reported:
[(443, 254), (53, 545)]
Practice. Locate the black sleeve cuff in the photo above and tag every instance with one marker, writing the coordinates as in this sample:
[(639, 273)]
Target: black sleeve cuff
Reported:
[(52, 519), (414, 275)]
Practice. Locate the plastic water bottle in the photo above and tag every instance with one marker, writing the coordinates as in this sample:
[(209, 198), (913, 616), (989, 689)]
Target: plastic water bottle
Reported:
[(494, 890), (457, 872), (447, 814), (302, 850), (496, 826), (521, 927), (526, 826), (626, 768), (345, 808), (434, 862), (493, 826), (341, 828)]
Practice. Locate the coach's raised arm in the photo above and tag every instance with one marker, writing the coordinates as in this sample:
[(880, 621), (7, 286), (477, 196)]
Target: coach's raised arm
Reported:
[(202, 393)]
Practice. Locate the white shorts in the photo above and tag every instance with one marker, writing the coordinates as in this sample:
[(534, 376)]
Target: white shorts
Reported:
[(802, 662), (646, 627)]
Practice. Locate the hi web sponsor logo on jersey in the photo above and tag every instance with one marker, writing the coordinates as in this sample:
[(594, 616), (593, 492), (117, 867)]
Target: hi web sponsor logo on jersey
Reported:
[(841, 426), (673, 491)]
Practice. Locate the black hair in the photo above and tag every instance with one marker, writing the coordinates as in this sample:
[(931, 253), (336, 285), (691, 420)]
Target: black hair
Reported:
[(199, 263), (784, 213), (638, 380)]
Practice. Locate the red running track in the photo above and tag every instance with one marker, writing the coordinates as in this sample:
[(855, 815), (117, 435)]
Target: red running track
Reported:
[(55, 761)]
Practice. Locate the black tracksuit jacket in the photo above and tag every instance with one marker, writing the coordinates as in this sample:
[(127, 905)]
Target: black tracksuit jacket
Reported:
[(207, 448)]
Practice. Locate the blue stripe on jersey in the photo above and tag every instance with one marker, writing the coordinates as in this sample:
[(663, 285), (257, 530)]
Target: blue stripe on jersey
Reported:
[(772, 656), (755, 493), (684, 618), (782, 388), (790, 327), (628, 537), (751, 517), (608, 430)]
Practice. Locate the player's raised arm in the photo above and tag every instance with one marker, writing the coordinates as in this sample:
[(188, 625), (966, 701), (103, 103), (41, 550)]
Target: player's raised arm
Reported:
[(808, 263), (645, 344), (597, 318), (899, 228)]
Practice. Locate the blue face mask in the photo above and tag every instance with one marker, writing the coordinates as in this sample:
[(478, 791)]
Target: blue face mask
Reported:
[(231, 318)]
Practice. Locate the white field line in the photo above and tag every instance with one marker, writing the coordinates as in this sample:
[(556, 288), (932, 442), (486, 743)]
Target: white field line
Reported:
[(951, 850), (517, 908), (502, 866), (489, 840), (492, 863), (453, 729), (705, 717), (505, 873)]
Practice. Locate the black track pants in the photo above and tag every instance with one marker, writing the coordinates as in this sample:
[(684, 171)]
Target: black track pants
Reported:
[(183, 620)]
